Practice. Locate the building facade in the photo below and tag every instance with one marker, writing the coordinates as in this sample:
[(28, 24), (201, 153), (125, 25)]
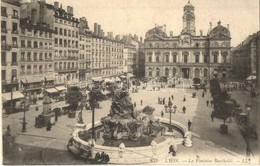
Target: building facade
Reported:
[(188, 55), (129, 58), (84, 49), (66, 46), (107, 54), (244, 57), (10, 15)]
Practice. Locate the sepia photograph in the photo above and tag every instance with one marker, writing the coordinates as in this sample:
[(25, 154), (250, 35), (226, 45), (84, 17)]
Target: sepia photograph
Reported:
[(126, 82)]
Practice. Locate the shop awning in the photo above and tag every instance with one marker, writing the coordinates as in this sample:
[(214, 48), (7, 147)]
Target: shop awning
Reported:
[(51, 90), (122, 76), (251, 77), (97, 78), (33, 79), (61, 88), (130, 75), (16, 95), (108, 80)]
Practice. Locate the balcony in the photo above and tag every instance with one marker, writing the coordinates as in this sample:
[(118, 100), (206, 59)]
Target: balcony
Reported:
[(15, 45), (6, 47), (15, 17), (14, 32), (4, 30), (4, 14), (14, 64)]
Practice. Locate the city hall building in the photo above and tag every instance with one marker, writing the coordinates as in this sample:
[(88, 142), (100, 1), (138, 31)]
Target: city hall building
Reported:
[(188, 55)]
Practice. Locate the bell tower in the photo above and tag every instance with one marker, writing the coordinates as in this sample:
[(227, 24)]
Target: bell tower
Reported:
[(189, 19)]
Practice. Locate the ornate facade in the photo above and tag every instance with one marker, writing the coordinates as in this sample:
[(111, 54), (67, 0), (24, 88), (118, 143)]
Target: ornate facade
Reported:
[(188, 55)]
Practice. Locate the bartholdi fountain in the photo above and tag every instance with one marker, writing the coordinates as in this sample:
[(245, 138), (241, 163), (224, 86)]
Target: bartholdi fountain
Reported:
[(130, 135)]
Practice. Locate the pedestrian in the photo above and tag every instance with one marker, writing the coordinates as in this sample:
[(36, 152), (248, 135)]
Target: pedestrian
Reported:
[(134, 104), (165, 107), (211, 102), (189, 125), (8, 131), (174, 108), (183, 109), (207, 103), (169, 98), (203, 94), (159, 100), (141, 102), (172, 151), (98, 157), (169, 103), (162, 114), (172, 97), (184, 98), (163, 101), (205, 90), (48, 128)]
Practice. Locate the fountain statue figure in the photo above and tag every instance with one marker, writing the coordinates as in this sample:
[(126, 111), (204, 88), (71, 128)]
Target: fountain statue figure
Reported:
[(126, 122)]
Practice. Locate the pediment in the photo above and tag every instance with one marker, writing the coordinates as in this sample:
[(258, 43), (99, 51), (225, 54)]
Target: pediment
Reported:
[(154, 38)]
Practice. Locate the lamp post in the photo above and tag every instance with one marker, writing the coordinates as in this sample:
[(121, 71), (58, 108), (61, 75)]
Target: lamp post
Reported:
[(170, 128), (24, 110)]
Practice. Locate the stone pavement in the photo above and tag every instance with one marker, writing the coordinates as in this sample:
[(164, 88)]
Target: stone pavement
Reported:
[(207, 137)]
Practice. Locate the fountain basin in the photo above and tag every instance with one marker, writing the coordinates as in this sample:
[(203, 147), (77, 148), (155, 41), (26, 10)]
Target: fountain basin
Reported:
[(154, 153)]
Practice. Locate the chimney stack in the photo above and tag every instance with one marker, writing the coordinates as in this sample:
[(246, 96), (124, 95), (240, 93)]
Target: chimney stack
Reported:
[(228, 26), (56, 4), (141, 39), (99, 30), (95, 28), (101, 33), (210, 26)]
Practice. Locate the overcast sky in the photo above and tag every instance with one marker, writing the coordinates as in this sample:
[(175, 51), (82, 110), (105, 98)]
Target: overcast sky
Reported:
[(138, 16)]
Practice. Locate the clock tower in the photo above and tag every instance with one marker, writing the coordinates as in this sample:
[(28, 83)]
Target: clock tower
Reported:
[(189, 19)]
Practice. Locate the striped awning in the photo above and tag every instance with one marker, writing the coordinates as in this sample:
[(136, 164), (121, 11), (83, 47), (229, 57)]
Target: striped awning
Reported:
[(16, 95), (61, 88), (51, 90)]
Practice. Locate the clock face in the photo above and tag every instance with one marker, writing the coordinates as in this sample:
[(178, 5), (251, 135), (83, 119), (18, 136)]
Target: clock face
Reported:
[(185, 39)]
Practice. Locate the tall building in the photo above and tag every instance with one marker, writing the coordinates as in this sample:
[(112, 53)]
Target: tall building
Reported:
[(10, 54), (107, 54), (129, 58), (188, 55), (66, 45), (84, 49), (244, 57), (36, 64)]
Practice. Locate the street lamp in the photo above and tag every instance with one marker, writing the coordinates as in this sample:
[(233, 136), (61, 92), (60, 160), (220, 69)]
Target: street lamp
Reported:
[(26, 104), (170, 128)]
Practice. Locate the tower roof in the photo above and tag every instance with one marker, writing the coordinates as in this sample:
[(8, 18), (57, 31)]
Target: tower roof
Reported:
[(189, 6)]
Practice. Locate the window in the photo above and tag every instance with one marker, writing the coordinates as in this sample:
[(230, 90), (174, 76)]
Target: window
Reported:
[(60, 31), (3, 11), (185, 58), (167, 58), (65, 32), (197, 58), (41, 57), (46, 34), (60, 42), (157, 72), (14, 73), (3, 58), (3, 26), (205, 58), (22, 69), (14, 27), (197, 44), (166, 72), (150, 59), (15, 13), (174, 57), (40, 69), (22, 31), (3, 39), (56, 30), (14, 57), (150, 72), (215, 58), (197, 73), (34, 68), (41, 45), (22, 56), (205, 73), (14, 40), (28, 56), (174, 71), (29, 43), (157, 58), (35, 44), (35, 33), (22, 43), (224, 58), (69, 33), (35, 56), (3, 75), (76, 34), (29, 69), (56, 41)]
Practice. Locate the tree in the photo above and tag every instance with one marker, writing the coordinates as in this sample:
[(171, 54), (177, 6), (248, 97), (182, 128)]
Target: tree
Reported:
[(73, 98)]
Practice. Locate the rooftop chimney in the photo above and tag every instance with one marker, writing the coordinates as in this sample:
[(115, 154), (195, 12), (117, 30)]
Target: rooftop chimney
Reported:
[(141, 39), (56, 4), (210, 26), (95, 28), (227, 26), (99, 30)]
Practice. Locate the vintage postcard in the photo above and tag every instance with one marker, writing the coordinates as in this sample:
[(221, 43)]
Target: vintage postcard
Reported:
[(130, 82)]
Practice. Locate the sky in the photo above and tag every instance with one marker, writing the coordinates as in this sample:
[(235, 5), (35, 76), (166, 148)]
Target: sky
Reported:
[(138, 16)]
